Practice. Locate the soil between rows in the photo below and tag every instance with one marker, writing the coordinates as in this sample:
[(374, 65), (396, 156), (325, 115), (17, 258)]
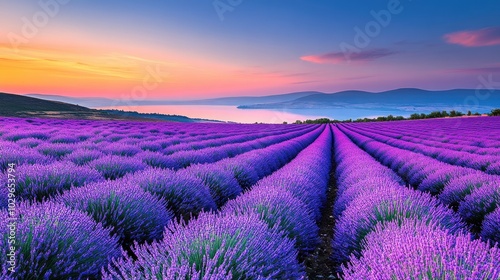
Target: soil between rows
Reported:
[(319, 265)]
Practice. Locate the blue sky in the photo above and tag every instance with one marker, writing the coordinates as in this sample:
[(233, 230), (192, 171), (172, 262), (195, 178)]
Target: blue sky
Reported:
[(257, 47)]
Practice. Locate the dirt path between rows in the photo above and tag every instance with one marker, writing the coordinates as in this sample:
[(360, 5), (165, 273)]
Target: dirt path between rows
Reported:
[(318, 264)]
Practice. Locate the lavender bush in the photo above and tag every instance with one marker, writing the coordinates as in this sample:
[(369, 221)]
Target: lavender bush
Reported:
[(278, 208), (55, 150), (55, 242), (40, 181), (131, 213), (83, 156), (491, 227), (480, 203), (13, 153), (419, 250), (184, 194), (114, 167), (390, 204), (241, 247), (221, 183), (458, 188)]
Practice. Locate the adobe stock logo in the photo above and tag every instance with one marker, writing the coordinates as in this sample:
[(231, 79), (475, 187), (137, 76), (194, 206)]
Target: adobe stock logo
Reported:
[(31, 26), (153, 78), (363, 37), (223, 6)]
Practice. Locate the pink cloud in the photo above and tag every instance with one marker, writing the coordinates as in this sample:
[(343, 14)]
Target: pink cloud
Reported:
[(340, 57), (475, 38)]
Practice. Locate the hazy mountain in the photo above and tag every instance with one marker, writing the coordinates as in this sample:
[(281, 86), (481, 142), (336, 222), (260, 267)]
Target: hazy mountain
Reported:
[(87, 102), (407, 98), (229, 101), (401, 100), (249, 100)]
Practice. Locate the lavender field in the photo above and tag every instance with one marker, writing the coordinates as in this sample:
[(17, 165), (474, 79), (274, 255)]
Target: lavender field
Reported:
[(86, 199)]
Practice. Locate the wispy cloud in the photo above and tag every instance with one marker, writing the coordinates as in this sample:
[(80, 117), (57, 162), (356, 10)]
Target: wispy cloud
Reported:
[(306, 82), (475, 38), (262, 72), (340, 57), (99, 66), (357, 78), (478, 70)]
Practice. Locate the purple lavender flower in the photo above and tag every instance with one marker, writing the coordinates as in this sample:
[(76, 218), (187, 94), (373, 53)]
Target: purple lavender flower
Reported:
[(221, 183), (306, 190), (152, 146), (435, 182), (40, 181), (480, 203), (18, 135), (239, 246), (458, 188), (244, 174), (54, 242), (4, 194), (416, 249), (12, 153), (113, 167), (55, 150), (131, 213), (491, 228), (368, 185), (494, 168), (156, 159), (83, 156), (182, 271), (29, 142), (278, 208), (119, 149), (390, 204), (183, 193), (67, 138)]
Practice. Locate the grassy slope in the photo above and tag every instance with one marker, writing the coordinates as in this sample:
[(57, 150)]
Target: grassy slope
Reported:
[(16, 104), (12, 105)]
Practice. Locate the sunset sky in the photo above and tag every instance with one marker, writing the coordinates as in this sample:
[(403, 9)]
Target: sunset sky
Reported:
[(198, 49)]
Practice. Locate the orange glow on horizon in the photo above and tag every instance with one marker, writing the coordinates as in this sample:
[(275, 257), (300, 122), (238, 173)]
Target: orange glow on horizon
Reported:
[(103, 74)]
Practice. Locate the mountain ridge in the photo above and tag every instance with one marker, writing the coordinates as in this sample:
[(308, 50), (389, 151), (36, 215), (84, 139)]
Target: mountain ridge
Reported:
[(221, 101), (397, 97)]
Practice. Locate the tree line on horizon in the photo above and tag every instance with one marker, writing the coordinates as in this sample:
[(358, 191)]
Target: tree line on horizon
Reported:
[(416, 116)]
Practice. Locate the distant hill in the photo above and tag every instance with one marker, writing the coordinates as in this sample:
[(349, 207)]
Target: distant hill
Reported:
[(404, 101), (248, 100), (400, 98), (227, 101), (13, 105)]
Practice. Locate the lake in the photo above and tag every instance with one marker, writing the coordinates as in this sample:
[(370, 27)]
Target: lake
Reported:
[(233, 114)]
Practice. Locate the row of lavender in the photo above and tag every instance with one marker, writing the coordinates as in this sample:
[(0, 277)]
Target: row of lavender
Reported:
[(76, 233), (258, 235), (488, 160), (474, 194), (40, 176), (387, 231), (453, 141), (475, 135), (48, 142)]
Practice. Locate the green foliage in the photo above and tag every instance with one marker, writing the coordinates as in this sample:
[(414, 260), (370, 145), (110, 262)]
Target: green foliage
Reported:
[(415, 116), (495, 112), (316, 121)]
